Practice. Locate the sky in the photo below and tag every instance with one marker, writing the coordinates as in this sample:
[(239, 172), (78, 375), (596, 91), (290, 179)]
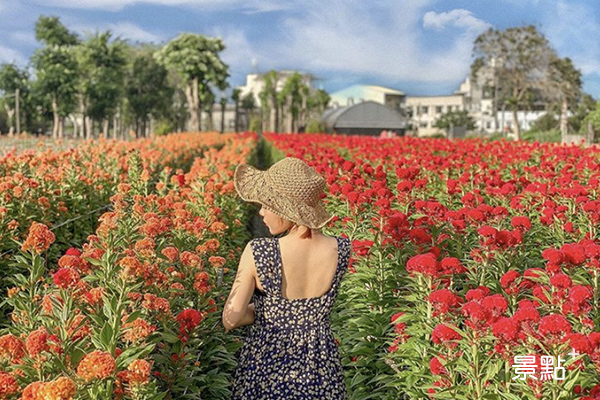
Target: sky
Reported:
[(421, 47)]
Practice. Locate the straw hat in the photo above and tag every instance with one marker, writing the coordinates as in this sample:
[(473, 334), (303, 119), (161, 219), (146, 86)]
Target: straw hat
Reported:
[(290, 189)]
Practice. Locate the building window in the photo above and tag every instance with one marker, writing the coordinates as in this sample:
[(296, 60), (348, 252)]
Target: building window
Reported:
[(438, 109), (425, 109), (423, 124)]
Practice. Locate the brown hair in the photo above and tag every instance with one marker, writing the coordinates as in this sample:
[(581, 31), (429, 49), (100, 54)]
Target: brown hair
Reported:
[(307, 234)]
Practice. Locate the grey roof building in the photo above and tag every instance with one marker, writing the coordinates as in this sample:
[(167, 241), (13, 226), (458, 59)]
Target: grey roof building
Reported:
[(366, 118)]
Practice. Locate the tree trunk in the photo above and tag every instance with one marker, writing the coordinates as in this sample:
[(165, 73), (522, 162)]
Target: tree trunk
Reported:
[(222, 117), (61, 127), (590, 133), (10, 112), (191, 94), (105, 128), (75, 125), (273, 115), (516, 127), (55, 118), (236, 117), (563, 119), (290, 117), (88, 127)]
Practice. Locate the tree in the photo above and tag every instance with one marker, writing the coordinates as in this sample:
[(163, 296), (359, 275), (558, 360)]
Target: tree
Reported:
[(519, 59), (56, 69), (196, 59), (103, 64), (51, 32), (15, 84), (148, 91), (248, 105), (223, 102), (585, 105), (455, 119), (591, 123), (291, 100), (269, 98), (236, 97), (564, 86)]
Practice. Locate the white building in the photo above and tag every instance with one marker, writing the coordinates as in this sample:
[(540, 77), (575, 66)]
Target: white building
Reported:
[(255, 83), (424, 111), (361, 93)]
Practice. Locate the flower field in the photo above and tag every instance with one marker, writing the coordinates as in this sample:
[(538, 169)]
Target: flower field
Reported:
[(474, 272)]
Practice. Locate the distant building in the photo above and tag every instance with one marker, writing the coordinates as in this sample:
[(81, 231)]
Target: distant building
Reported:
[(424, 111), (255, 83), (364, 118), (392, 98)]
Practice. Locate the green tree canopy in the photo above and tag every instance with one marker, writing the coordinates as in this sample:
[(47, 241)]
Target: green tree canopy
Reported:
[(196, 60)]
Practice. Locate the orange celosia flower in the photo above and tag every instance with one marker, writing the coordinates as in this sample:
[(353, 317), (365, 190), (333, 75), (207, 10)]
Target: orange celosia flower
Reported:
[(37, 341), (96, 365), (33, 391), (8, 385), (212, 245), (145, 247), (62, 388), (39, 239), (47, 304), (11, 348), (216, 261), (190, 259), (171, 253), (137, 330), (139, 371)]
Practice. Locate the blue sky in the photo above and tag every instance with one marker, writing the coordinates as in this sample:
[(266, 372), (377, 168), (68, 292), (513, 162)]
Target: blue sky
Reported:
[(422, 47)]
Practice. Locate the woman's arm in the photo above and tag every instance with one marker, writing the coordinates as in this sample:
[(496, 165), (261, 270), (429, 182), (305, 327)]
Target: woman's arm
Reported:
[(247, 319), (237, 311)]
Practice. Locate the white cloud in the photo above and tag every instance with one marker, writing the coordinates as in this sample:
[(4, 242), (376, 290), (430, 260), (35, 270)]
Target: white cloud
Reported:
[(458, 18), (24, 37), (133, 32), (238, 53), (126, 30), (381, 39), (573, 30), (253, 6), (8, 55)]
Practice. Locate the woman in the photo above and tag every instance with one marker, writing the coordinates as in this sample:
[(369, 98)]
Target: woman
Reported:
[(286, 289)]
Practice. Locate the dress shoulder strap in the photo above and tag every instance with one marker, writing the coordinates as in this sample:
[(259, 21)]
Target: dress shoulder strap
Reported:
[(263, 251), (344, 250)]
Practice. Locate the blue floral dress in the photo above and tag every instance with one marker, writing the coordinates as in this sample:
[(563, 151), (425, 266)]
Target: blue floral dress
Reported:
[(289, 353)]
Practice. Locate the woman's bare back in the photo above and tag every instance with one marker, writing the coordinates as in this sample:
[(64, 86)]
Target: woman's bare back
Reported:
[(308, 266)]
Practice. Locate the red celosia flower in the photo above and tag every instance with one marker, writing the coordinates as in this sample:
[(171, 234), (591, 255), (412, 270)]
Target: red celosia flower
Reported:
[(444, 301), (554, 325), (521, 223), (508, 282), (66, 278), (188, 319), (507, 330), (477, 293), (425, 264), (444, 334), (436, 367)]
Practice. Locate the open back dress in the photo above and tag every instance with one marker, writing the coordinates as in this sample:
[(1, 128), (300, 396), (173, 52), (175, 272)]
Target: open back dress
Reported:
[(289, 352)]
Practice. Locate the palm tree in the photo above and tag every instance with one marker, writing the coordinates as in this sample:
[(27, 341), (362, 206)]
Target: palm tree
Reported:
[(235, 96)]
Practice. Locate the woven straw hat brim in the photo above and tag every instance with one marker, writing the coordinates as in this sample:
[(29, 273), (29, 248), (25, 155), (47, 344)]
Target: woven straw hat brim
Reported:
[(251, 185)]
